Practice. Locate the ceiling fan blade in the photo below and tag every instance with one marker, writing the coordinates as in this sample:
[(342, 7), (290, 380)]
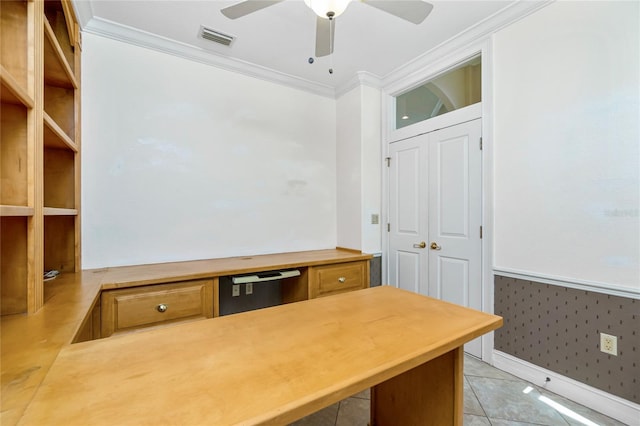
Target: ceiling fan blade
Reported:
[(414, 11), (241, 9), (325, 30)]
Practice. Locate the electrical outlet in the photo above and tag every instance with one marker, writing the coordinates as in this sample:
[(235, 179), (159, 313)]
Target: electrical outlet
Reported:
[(248, 288), (235, 290), (609, 344)]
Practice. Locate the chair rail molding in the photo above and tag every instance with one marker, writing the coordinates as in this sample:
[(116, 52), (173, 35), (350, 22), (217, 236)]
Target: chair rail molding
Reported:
[(598, 287)]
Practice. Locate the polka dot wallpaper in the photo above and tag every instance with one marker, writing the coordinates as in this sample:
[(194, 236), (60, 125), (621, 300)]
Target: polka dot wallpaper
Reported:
[(558, 328), (375, 271)]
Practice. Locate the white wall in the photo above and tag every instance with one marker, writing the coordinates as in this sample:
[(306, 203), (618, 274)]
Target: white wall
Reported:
[(182, 160), (566, 144), (359, 176), (371, 169), (349, 169)]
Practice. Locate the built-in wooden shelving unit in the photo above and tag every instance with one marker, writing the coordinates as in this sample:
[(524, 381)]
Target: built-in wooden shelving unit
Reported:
[(40, 148)]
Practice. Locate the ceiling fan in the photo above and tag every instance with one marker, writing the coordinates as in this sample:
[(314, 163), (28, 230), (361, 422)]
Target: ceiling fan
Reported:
[(414, 11)]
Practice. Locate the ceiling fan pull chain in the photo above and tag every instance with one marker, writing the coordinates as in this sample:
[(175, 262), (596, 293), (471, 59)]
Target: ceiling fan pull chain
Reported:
[(330, 15)]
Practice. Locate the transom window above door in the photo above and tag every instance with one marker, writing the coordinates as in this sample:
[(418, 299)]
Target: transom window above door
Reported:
[(456, 88)]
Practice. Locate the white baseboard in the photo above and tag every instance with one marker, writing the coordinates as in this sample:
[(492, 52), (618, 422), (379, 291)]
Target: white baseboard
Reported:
[(613, 406)]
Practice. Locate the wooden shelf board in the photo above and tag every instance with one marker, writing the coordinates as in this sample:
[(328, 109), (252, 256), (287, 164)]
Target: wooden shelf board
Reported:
[(58, 72), (12, 92), (7, 210), (55, 211), (69, 18), (55, 137)]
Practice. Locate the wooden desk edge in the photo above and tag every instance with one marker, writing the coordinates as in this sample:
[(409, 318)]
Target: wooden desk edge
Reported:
[(382, 373)]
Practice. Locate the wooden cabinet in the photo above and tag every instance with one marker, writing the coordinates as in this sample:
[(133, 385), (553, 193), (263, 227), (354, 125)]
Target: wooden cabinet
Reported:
[(132, 308), (39, 148), (143, 296), (17, 155), (90, 327), (139, 307), (337, 278)]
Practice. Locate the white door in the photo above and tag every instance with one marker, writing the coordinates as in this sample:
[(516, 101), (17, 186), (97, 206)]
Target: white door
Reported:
[(455, 206), (407, 214), (435, 183)]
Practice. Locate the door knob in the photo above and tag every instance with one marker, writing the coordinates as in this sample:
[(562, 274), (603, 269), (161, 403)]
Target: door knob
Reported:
[(421, 245), (435, 246)]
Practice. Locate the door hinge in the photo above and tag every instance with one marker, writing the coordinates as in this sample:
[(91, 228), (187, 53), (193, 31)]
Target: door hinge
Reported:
[(388, 227), (481, 232), (480, 143), (388, 160)]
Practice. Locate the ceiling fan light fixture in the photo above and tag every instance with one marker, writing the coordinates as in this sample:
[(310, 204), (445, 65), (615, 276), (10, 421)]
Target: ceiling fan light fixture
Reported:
[(323, 8)]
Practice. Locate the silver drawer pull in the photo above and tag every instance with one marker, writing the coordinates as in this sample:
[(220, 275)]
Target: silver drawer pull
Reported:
[(162, 307), (342, 279)]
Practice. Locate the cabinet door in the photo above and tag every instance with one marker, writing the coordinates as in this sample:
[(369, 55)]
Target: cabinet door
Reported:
[(133, 308), (338, 278)]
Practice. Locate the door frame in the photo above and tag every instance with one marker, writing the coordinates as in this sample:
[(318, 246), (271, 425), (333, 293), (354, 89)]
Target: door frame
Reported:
[(484, 109)]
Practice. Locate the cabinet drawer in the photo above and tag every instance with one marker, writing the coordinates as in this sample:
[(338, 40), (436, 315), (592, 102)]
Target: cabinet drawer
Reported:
[(338, 278), (132, 308)]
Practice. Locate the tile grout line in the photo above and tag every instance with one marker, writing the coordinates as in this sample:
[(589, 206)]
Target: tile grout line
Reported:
[(536, 387), (335, 422), (477, 399)]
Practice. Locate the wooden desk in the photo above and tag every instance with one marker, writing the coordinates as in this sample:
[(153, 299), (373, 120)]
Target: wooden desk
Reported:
[(272, 366), (30, 343)]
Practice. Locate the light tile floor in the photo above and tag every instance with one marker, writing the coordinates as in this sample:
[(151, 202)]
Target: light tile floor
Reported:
[(491, 397)]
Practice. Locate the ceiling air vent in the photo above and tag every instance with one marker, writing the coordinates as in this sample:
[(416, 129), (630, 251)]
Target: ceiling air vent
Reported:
[(216, 36)]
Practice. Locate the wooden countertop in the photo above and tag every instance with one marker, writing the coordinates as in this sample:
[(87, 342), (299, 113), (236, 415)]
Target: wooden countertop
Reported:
[(30, 344), (130, 276), (271, 366)]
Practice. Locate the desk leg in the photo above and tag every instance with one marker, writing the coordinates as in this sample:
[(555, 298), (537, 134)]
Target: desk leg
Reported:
[(429, 394)]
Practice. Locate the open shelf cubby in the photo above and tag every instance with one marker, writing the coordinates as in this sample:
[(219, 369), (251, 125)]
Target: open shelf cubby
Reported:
[(14, 41), (57, 70), (59, 178), (11, 91), (59, 243), (61, 28), (13, 265), (59, 106), (14, 161)]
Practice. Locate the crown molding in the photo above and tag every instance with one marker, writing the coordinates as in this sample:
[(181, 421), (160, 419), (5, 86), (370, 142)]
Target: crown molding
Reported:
[(361, 78), (83, 10), (136, 37), (413, 72)]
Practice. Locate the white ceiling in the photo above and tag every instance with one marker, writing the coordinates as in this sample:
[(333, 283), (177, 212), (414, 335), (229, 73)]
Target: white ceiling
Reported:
[(281, 38)]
